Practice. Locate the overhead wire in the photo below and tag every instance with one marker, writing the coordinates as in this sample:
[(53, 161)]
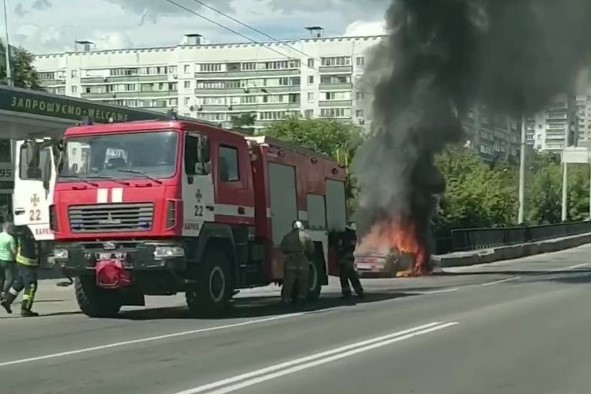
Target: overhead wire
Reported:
[(265, 45), (226, 27)]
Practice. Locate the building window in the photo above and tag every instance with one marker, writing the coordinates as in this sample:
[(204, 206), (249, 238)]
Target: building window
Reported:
[(173, 102), (187, 69), (210, 67), (74, 73), (310, 79), (337, 61), (228, 162), (311, 97), (335, 113), (360, 95), (311, 63), (359, 113), (74, 89), (187, 100), (360, 61), (187, 84), (309, 113)]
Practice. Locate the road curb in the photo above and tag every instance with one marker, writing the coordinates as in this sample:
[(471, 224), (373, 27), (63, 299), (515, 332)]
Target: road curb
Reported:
[(484, 256)]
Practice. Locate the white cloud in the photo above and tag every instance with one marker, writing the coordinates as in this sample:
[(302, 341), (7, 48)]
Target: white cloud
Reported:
[(45, 26), (365, 28)]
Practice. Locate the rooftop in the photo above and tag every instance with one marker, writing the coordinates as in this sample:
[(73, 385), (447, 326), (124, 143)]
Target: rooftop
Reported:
[(271, 44)]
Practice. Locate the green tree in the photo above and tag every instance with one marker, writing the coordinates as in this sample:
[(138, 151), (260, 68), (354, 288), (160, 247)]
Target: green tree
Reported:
[(338, 140), (327, 136), (578, 192), (23, 72), (244, 123), (544, 190), (476, 195)]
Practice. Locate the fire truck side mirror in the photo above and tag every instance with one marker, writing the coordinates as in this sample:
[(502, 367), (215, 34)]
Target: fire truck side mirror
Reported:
[(203, 154)]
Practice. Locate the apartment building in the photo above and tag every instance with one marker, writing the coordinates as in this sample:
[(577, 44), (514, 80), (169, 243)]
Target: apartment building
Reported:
[(317, 77), (583, 102), (557, 126), (494, 136)]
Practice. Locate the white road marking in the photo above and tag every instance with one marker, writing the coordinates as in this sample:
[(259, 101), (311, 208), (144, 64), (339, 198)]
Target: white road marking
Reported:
[(143, 340), (572, 267), (437, 291), (289, 367), (496, 282)]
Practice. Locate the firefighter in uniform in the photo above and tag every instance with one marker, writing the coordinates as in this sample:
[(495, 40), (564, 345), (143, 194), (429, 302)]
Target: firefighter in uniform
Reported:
[(298, 249), (347, 240), (27, 262)]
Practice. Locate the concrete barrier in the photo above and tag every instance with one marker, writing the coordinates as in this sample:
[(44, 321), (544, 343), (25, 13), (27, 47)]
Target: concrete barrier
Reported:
[(484, 256)]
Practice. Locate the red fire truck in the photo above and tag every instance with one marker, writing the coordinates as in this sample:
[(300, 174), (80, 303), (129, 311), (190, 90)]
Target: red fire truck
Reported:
[(169, 206)]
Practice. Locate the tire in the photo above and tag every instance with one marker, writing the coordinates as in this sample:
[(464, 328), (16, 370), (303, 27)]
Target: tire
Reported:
[(315, 278), (214, 289), (94, 301)]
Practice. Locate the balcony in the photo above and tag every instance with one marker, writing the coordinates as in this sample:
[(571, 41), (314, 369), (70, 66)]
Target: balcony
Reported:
[(335, 69), (136, 94), (53, 82), (249, 107), (335, 86), (137, 78), (247, 74), (335, 103), (250, 90), (85, 80), (220, 91)]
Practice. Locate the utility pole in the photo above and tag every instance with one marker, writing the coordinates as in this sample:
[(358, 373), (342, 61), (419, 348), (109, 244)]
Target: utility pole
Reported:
[(9, 79), (565, 166), (520, 216)]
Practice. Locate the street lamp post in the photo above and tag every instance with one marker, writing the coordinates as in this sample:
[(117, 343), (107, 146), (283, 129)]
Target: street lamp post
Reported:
[(520, 216), (9, 79)]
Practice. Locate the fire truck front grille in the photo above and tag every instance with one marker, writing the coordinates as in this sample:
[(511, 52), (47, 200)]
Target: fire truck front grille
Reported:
[(111, 217)]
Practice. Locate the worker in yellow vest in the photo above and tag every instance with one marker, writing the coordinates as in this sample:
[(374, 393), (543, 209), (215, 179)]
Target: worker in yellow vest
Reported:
[(27, 263)]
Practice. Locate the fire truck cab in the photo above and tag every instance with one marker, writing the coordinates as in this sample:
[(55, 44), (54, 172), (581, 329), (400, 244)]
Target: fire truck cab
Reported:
[(162, 207)]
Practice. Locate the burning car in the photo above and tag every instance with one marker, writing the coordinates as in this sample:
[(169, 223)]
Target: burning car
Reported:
[(383, 265), (391, 249)]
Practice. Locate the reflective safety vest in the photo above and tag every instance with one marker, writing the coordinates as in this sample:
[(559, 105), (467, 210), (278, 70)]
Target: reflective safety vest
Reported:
[(27, 251)]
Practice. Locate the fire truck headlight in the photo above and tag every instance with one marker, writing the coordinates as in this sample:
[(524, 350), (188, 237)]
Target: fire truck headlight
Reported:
[(163, 252), (60, 254)]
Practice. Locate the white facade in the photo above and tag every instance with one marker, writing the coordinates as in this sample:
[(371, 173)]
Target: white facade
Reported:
[(317, 77), (556, 127), (584, 117)]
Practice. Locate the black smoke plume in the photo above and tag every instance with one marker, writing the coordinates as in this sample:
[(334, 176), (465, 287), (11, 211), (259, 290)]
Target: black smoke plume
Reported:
[(439, 58)]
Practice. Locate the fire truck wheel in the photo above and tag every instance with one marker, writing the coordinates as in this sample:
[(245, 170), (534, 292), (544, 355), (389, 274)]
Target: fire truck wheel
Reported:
[(93, 301), (214, 287), (315, 280)]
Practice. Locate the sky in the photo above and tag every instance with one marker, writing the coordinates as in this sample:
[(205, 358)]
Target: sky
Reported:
[(50, 26)]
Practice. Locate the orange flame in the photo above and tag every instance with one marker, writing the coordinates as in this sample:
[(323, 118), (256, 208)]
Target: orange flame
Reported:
[(388, 235)]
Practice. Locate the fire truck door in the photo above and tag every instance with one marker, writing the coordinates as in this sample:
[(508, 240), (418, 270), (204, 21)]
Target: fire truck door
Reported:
[(34, 181), (284, 209), (197, 187)]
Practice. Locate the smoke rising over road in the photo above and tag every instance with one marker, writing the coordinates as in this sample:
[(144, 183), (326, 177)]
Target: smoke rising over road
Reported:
[(441, 56)]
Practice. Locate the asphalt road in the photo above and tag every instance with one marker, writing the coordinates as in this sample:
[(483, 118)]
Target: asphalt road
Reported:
[(519, 327)]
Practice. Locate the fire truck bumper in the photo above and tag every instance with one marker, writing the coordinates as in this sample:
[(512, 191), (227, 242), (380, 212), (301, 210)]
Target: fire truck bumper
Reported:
[(76, 259)]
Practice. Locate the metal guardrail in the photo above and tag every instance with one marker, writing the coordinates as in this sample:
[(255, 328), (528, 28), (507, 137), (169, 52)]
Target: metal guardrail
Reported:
[(483, 238)]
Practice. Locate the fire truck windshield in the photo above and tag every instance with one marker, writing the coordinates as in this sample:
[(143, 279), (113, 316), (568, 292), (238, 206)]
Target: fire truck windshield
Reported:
[(120, 156)]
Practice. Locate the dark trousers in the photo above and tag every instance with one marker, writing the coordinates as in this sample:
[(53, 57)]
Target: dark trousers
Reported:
[(291, 278), (8, 274), (27, 280), (348, 274)]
